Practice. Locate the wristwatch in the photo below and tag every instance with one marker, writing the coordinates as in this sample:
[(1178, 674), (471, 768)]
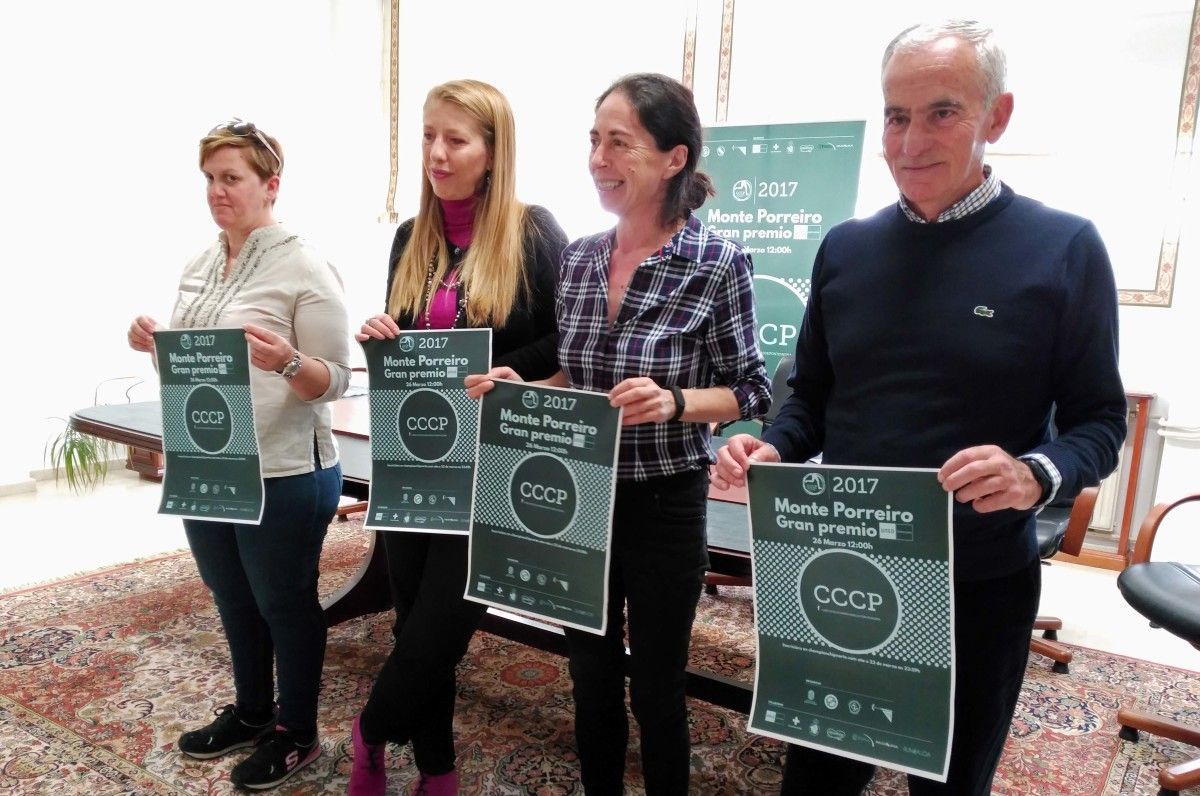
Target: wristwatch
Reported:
[(1040, 475), (292, 367), (680, 405)]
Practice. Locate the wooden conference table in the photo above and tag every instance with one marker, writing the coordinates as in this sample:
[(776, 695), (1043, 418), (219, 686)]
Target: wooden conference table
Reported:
[(139, 425)]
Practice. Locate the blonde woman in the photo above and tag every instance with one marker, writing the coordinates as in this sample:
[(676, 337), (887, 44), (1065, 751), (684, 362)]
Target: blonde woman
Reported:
[(472, 257)]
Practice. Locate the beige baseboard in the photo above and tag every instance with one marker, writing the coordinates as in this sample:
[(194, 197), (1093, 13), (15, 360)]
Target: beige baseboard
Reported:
[(47, 474), (42, 475), (20, 487)]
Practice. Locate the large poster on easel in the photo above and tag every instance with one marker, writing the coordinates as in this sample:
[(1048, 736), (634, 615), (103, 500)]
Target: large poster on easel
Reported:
[(779, 189)]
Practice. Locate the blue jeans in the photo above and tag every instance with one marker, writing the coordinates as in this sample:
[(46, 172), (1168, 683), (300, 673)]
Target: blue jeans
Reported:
[(264, 581), (993, 621), (659, 556)]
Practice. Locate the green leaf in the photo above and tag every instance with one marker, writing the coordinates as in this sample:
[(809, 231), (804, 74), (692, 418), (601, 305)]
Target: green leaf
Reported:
[(79, 458)]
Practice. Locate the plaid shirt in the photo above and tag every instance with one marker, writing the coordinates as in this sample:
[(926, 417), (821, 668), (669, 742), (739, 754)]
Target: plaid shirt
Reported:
[(687, 319), (973, 202)]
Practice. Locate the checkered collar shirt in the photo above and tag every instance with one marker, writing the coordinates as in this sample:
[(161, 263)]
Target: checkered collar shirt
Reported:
[(973, 202), (686, 319)]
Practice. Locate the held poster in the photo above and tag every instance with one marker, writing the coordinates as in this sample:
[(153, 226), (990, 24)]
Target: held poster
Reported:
[(779, 189), (424, 428), (854, 612), (210, 446), (540, 539)]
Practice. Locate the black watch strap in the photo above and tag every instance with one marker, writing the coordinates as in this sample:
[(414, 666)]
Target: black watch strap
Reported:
[(1041, 476), (680, 405)]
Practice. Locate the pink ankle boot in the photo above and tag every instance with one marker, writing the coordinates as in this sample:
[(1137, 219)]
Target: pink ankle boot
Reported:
[(437, 784), (367, 774)]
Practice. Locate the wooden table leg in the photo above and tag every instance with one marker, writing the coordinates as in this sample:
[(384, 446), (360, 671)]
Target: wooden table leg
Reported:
[(366, 592)]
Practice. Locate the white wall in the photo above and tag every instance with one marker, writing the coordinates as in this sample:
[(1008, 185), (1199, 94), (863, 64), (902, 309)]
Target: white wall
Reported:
[(551, 80), (104, 104)]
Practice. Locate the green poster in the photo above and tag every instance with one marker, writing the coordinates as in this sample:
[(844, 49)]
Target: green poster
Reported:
[(543, 503), (854, 612), (424, 428), (779, 189), (210, 447)]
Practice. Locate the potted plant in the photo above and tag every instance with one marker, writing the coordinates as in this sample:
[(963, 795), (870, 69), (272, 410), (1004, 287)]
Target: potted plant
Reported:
[(79, 457)]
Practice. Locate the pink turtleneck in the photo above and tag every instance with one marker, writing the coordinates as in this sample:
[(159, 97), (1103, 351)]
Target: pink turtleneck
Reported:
[(459, 220), (458, 223)]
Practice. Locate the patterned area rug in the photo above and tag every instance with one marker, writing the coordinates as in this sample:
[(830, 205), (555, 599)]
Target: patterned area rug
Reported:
[(100, 673)]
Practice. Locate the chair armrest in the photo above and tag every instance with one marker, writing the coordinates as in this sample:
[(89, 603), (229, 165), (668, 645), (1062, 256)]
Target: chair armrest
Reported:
[(1154, 517), (1081, 517)]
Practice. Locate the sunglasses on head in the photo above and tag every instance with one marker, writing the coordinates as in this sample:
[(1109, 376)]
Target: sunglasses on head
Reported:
[(244, 130)]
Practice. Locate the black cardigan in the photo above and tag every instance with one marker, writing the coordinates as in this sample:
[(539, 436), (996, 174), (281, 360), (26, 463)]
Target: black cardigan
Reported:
[(528, 341)]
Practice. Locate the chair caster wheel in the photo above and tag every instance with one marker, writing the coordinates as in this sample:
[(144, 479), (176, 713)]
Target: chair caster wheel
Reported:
[(1060, 668), (1129, 734)]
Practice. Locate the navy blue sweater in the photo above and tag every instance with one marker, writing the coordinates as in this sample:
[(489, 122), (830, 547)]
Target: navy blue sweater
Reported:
[(923, 339)]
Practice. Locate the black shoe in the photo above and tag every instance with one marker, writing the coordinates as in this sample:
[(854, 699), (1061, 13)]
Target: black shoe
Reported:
[(226, 733), (276, 758)]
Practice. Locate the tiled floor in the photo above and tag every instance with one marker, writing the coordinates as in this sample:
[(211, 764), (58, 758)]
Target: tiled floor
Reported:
[(53, 533)]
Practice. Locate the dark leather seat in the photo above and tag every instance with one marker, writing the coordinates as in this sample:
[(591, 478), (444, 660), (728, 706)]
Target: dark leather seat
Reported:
[(1168, 594), (1052, 524), (1060, 528), (779, 389), (1051, 530)]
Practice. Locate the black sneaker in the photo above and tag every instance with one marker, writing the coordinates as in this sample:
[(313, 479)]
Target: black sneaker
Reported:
[(276, 758), (226, 733)]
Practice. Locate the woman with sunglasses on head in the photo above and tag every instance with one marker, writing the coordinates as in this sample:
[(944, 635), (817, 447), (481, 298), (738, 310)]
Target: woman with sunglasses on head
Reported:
[(262, 278), (472, 257), (659, 314)]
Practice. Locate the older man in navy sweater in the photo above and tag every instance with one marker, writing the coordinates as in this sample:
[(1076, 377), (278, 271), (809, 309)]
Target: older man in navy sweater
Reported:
[(940, 333)]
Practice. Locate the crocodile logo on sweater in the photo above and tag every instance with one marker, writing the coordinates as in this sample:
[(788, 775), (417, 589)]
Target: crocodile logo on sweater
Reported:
[(984, 312)]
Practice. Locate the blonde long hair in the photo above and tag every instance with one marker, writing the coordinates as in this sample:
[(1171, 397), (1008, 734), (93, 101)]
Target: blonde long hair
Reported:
[(492, 272)]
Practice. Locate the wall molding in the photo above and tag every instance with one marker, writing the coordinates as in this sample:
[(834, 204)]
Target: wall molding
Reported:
[(1185, 137), (390, 215)]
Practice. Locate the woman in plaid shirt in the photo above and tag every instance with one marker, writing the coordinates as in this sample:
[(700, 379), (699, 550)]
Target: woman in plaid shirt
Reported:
[(658, 312)]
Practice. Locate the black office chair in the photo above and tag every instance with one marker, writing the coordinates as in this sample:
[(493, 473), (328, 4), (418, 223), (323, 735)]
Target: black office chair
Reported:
[(734, 570), (1168, 594), (779, 392), (1061, 527), (779, 389)]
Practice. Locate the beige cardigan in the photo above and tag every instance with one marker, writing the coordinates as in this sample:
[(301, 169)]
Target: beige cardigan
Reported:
[(280, 284)]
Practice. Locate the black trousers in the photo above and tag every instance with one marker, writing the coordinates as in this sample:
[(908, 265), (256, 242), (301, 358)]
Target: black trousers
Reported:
[(993, 622), (413, 697), (659, 556)]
